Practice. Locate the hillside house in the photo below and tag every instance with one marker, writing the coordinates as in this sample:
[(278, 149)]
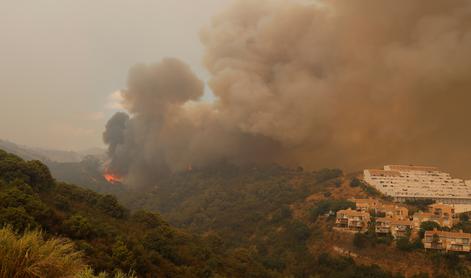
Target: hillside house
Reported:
[(395, 227), (352, 220), (447, 241), (442, 219), (367, 204), (446, 213), (395, 211)]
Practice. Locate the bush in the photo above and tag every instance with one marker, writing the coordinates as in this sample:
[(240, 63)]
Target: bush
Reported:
[(17, 218), (360, 240), (299, 231), (79, 227), (149, 219), (30, 256), (428, 226), (421, 204), (464, 217), (355, 182), (109, 205), (327, 174), (404, 244)]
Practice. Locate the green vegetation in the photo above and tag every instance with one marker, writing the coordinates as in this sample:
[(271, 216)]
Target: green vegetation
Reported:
[(404, 244), (30, 256), (329, 266), (421, 204), (109, 237), (238, 221)]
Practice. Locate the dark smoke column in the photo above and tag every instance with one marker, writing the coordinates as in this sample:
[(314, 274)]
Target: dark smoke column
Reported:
[(139, 143)]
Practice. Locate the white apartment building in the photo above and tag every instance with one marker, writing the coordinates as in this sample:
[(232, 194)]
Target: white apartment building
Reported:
[(419, 182)]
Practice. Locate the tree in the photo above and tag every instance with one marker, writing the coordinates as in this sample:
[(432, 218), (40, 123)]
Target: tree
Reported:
[(428, 226), (109, 204), (355, 182), (327, 174), (79, 227), (17, 218)]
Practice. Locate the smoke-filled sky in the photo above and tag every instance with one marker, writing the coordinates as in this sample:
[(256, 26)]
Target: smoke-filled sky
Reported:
[(326, 83), (61, 59), (342, 83)]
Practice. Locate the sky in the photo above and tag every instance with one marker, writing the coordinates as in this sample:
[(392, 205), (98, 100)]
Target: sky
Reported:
[(62, 60)]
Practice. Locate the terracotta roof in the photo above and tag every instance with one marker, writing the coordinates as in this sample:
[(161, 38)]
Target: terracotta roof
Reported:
[(351, 212), (393, 207), (411, 168), (448, 234), (367, 201)]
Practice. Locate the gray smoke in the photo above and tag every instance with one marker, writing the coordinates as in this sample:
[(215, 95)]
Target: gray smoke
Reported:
[(341, 83)]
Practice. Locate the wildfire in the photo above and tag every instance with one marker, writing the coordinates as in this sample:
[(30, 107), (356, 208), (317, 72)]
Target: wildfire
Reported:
[(112, 178)]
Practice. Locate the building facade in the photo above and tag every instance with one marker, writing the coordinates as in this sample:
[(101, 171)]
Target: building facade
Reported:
[(352, 220), (447, 241), (418, 182)]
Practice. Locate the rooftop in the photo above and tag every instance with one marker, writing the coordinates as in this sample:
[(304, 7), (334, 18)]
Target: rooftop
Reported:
[(411, 168), (448, 234)]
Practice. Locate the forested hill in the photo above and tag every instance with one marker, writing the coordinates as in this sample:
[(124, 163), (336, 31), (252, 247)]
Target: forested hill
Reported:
[(109, 235), (112, 238)]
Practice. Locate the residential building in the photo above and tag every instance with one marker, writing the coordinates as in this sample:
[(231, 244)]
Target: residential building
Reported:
[(383, 225), (367, 204), (404, 182), (401, 228), (395, 227), (447, 241), (352, 220), (395, 211), (443, 215)]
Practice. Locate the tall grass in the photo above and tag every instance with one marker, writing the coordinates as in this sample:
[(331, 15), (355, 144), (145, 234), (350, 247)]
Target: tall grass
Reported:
[(88, 273), (31, 256)]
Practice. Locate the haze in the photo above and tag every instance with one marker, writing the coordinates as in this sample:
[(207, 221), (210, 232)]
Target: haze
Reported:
[(61, 60)]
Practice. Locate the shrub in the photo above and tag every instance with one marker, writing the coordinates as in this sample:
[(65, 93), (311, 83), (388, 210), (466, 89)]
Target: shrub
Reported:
[(464, 217), (421, 204), (79, 227), (355, 182), (360, 240), (30, 256), (428, 226), (149, 219), (109, 205), (17, 218), (327, 174)]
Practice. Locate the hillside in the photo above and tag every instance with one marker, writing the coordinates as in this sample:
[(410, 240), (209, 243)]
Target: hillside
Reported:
[(267, 220), (279, 214), (112, 238)]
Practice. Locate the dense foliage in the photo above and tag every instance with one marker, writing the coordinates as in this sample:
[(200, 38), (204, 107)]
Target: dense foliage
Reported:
[(110, 238)]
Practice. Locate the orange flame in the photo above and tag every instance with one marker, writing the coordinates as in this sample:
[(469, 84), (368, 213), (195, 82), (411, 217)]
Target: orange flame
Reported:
[(112, 178)]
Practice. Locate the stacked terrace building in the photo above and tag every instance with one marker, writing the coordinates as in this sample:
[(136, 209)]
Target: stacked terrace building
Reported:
[(404, 182)]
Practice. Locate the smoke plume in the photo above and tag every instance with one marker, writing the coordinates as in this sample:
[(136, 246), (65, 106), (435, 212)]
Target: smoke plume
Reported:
[(337, 83)]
